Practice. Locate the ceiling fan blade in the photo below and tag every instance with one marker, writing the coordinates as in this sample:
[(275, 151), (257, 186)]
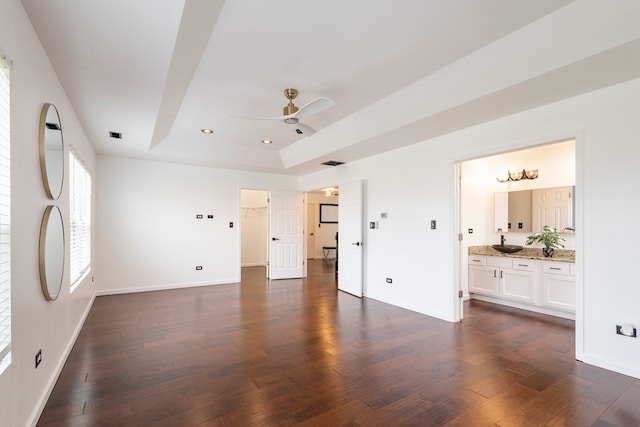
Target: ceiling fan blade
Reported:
[(302, 129), (262, 118), (313, 107)]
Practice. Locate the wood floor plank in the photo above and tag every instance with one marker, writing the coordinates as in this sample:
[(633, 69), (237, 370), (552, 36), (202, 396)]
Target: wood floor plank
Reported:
[(299, 352)]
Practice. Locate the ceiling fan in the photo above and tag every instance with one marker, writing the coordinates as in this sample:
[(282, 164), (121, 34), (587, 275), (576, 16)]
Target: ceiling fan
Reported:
[(292, 114)]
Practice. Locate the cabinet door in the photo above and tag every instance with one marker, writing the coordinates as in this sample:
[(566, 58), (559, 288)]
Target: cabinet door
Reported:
[(517, 285), (559, 292), (484, 280)]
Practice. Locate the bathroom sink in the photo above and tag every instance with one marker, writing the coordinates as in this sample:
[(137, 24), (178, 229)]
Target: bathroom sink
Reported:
[(507, 249)]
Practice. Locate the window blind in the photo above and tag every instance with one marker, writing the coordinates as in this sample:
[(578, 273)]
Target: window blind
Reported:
[(5, 215), (80, 217)]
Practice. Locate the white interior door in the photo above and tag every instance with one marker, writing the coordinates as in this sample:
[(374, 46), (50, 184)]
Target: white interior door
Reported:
[(311, 228), (286, 235), (350, 238)]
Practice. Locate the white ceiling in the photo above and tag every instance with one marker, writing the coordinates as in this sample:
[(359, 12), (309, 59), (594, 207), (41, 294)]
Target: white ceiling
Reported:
[(159, 71)]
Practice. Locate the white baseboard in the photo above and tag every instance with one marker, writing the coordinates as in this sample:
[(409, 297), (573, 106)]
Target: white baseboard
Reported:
[(629, 370), (163, 287), (46, 393), (254, 264)]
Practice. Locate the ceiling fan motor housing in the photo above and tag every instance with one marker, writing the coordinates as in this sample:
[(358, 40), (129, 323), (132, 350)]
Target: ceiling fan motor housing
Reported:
[(290, 108)]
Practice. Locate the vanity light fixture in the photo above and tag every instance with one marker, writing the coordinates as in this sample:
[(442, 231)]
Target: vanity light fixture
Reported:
[(266, 141), (206, 131), (517, 176)]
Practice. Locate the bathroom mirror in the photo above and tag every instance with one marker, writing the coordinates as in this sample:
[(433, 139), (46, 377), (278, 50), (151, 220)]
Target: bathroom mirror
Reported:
[(51, 252), (530, 210), (51, 151)]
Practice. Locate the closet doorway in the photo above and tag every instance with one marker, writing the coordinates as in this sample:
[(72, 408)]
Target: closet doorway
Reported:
[(254, 229)]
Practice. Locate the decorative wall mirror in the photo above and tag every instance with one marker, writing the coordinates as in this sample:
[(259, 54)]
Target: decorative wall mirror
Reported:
[(51, 252), (531, 210), (51, 151)]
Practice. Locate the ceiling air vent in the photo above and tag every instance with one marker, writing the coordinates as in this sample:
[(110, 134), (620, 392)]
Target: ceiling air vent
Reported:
[(333, 163), (116, 135)]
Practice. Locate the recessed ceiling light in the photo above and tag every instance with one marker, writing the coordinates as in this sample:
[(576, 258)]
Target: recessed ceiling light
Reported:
[(206, 131), (266, 141)]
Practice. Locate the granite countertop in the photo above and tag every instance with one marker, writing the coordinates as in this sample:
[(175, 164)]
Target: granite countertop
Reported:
[(559, 255)]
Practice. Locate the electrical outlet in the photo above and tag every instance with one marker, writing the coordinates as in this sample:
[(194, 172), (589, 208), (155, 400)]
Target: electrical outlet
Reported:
[(433, 224), (230, 224), (38, 358), (627, 330), (198, 267), (373, 225), (209, 216), (470, 231), (389, 280), (198, 216)]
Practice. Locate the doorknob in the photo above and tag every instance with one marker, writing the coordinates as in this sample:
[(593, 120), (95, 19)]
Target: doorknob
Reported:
[(357, 243), (274, 239), (310, 234)]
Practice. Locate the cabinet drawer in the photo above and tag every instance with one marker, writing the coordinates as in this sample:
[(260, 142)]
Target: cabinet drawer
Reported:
[(560, 268), (524, 265), (477, 260), (501, 262)]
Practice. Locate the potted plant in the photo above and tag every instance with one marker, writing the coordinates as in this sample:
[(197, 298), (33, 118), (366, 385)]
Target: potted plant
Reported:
[(550, 238)]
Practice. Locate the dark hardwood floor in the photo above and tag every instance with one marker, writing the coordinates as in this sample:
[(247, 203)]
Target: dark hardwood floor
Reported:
[(298, 352)]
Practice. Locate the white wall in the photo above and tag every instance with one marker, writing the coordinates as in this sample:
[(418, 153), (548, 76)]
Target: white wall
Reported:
[(325, 233), (148, 236), (36, 323), (254, 227), (416, 184)]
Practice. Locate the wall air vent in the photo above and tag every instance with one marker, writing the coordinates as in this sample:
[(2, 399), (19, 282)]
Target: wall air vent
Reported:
[(116, 135), (333, 163)]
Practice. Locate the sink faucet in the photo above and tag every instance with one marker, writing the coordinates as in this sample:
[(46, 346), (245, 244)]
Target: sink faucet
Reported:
[(502, 240)]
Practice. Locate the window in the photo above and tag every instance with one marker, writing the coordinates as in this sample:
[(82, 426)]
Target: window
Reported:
[(5, 216), (80, 216)]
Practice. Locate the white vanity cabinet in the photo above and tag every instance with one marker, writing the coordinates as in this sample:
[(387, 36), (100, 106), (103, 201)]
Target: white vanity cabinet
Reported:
[(559, 285), (543, 286), (483, 279), (518, 282), (502, 277)]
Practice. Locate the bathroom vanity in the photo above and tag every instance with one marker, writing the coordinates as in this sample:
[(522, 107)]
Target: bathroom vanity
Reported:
[(525, 279)]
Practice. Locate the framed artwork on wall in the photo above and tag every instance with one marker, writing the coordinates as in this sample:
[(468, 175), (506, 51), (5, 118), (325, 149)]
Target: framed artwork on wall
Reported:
[(328, 213)]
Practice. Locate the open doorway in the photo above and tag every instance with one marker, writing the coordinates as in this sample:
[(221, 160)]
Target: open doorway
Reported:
[(322, 224), (481, 182), (254, 231)]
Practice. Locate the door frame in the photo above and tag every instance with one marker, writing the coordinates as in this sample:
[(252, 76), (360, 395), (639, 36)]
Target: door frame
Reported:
[(579, 137)]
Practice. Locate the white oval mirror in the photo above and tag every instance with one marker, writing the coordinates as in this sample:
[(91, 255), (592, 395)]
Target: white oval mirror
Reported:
[(51, 151), (51, 252)]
